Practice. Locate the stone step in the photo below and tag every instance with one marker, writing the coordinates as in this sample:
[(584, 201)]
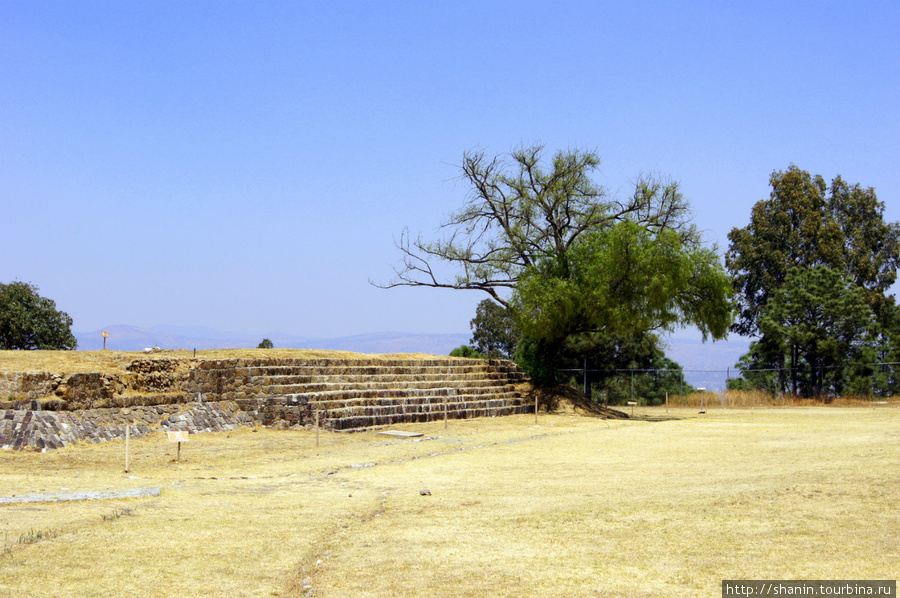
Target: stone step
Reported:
[(332, 413), (411, 409), (371, 422), (274, 379), (247, 373), (425, 402), (299, 370), (334, 364), (347, 394), (413, 403), (408, 387), (354, 400), (360, 393), (336, 394)]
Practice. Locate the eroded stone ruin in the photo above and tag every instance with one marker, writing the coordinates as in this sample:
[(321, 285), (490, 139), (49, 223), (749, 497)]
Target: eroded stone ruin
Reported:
[(49, 410)]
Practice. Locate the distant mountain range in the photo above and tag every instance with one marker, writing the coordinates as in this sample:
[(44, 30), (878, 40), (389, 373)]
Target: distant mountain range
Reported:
[(131, 338), (705, 364)]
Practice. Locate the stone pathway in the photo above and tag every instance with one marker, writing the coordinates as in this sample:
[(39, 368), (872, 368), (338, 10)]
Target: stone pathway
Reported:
[(67, 496)]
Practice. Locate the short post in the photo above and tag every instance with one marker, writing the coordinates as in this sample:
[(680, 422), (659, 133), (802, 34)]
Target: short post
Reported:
[(535, 408), (667, 401), (317, 428), (178, 436), (632, 385), (445, 412), (632, 403), (127, 442), (587, 384), (105, 336)]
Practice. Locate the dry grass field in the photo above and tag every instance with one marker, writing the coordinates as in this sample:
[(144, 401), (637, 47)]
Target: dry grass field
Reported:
[(574, 506), (67, 362)]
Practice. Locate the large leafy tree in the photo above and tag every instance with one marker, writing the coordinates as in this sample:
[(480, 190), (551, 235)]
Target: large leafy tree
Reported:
[(532, 233), (29, 321), (818, 320), (521, 210), (812, 259), (495, 332), (622, 368), (806, 223), (625, 282)]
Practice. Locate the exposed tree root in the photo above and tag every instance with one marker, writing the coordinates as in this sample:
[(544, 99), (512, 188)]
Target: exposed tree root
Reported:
[(566, 399)]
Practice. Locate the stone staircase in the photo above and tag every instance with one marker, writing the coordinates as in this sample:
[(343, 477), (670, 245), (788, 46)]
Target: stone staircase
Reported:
[(363, 394)]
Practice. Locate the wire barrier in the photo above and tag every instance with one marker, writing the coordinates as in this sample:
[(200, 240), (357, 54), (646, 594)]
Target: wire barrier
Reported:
[(866, 383)]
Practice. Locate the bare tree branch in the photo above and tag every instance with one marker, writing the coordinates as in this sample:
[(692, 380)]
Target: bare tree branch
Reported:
[(520, 211)]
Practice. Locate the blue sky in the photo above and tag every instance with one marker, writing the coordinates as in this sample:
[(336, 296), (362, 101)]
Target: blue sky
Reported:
[(246, 166)]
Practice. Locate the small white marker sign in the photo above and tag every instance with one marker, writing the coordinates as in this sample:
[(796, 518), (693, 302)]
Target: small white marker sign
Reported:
[(178, 436)]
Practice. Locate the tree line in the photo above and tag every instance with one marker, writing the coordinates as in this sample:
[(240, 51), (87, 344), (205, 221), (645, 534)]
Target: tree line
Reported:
[(574, 273), (812, 273)]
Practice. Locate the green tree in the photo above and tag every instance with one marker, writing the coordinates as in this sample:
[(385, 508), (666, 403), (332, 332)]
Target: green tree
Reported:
[(524, 218), (651, 384), (29, 321), (494, 330), (622, 364), (265, 344), (864, 378), (808, 225), (804, 223), (625, 282), (466, 351), (520, 211), (818, 321)]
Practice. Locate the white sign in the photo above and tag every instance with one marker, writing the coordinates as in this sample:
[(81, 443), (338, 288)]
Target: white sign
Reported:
[(178, 436)]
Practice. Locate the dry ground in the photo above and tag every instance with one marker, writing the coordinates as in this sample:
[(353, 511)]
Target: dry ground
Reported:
[(573, 506), (67, 362)]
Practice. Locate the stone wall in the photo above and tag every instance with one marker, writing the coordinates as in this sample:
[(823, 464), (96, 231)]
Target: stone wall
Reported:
[(41, 430), (49, 410), (145, 382), (22, 386)]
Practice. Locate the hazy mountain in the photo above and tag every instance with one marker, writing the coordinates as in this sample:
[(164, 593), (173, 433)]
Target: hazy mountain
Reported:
[(132, 338), (705, 364)]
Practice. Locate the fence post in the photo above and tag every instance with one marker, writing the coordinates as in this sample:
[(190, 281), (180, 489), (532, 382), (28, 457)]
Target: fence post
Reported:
[(632, 385), (587, 385)]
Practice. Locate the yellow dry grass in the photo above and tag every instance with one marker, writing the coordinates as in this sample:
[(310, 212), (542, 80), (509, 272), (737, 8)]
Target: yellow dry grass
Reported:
[(67, 362), (758, 398), (573, 506)]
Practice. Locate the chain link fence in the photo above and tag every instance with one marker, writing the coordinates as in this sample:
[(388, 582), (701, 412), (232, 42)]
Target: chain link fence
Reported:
[(872, 382)]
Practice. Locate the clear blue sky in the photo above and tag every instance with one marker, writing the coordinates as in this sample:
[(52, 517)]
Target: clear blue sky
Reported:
[(247, 165)]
